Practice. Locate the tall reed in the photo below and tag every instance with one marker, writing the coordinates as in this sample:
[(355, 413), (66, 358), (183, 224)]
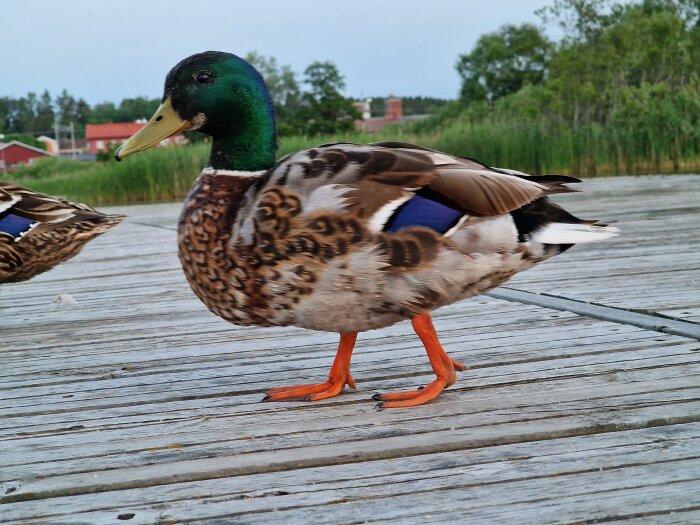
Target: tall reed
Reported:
[(531, 145)]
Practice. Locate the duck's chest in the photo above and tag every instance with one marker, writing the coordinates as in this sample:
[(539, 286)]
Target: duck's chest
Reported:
[(221, 276)]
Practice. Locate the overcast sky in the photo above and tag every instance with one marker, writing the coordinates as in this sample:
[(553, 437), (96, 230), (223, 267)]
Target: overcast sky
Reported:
[(109, 50)]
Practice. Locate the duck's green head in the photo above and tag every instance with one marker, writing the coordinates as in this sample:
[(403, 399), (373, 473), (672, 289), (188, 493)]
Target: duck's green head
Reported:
[(221, 95)]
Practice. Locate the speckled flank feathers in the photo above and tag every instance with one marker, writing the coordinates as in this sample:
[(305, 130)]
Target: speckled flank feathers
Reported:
[(299, 244), (38, 231)]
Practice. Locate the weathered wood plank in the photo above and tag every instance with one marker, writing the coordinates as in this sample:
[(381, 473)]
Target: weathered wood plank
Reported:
[(227, 344), (197, 442), (490, 483), (232, 392), (487, 465), (529, 401), (252, 375), (137, 400), (160, 374), (198, 423)]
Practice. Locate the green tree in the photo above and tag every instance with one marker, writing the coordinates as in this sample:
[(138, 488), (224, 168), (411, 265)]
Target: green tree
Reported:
[(25, 113), (611, 48), (44, 114), (128, 110), (326, 109), (503, 62), (71, 110), (131, 109), (581, 20), (5, 113), (66, 107), (103, 112), (82, 112)]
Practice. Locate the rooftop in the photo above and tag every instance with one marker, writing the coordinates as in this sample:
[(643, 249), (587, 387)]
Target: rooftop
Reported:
[(112, 130), (4, 145)]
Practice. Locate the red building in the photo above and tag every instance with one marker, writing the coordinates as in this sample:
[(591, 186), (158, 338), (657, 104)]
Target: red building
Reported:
[(16, 153), (100, 136), (393, 114)]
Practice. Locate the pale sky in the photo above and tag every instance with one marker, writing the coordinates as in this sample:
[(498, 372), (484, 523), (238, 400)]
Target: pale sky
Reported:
[(108, 50)]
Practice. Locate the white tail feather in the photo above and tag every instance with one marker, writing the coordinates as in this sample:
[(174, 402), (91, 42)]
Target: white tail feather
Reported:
[(563, 233)]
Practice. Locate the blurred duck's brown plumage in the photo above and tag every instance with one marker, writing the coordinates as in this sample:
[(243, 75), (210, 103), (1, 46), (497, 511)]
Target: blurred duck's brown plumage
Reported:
[(38, 231)]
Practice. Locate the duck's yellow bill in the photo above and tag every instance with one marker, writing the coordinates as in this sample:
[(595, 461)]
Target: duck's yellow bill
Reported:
[(163, 124)]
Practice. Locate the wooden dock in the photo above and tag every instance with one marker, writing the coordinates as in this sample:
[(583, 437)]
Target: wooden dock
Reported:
[(122, 399)]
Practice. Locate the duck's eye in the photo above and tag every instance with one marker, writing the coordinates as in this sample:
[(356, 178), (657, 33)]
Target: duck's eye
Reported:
[(203, 77)]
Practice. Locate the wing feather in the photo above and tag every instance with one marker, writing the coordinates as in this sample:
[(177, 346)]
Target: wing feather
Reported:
[(44, 208), (383, 172), (376, 183)]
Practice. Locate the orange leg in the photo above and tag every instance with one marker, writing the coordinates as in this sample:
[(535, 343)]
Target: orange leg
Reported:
[(443, 366), (338, 377)]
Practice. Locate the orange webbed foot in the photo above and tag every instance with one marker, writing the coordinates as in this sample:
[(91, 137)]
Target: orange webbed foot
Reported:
[(412, 397), (310, 392), (443, 366), (339, 377)]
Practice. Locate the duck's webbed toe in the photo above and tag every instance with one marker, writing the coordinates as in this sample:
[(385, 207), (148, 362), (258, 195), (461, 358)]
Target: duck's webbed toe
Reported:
[(338, 377)]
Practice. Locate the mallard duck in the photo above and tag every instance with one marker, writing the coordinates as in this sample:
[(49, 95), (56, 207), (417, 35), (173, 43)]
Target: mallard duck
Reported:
[(343, 237), (38, 231)]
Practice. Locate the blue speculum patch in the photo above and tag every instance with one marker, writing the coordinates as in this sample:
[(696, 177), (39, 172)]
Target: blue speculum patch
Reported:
[(14, 224), (420, 211)]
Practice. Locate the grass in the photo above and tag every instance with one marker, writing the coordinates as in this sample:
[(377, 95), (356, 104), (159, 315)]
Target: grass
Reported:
[(166, 174), (160, 174)]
